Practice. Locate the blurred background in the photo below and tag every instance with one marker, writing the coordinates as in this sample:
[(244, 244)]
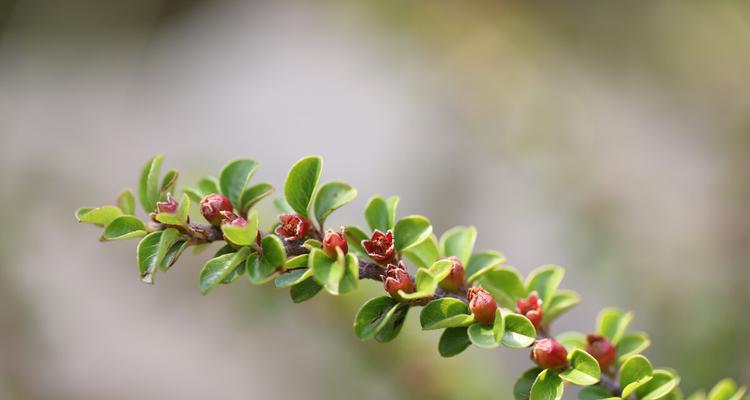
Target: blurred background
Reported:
[(609, 137)]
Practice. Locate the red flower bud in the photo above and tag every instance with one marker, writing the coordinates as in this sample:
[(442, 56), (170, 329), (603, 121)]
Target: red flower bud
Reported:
[(380, 246), (482, 305), (334, 240), (547, 353), (455, 278), (397, 278), (601, 349), (167, 207), (292, 226), (531, 309), (212, 206), (231, 219)]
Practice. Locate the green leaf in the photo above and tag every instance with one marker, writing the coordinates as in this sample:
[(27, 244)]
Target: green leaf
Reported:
[(725, 390), (519, 331), (147, 253), (168, 183), (427, 279), (234, 178), (458, 242), (297, 261), (662, 383), (373, 316), (612, 324), (505, 285), (172, 254), (126, 202), (203, 188), (305, 290), (338, 276), (292, 277), (547, 386), (522, 387), (572, 340), (484, 262), (411, 231), (253, 195), (124, 227), (301, 182), (584, 369), (216, 269), (148, 187), (380, 213), (424, 253), (595, 393), (545, 280), (273, 250), (243, 236), (259, 269), (632, 343), (634, 372), (488, 336), (445, 313), (453, 341), (354, 237), (101, 216), (562, 301), (391, 329), (351, 273), (330, 197)]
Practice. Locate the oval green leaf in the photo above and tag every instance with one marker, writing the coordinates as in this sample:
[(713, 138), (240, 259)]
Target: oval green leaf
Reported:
[(147, 253), (411, 231), (332, 196), (634, 372), (234, 178), (547, 386), (305, 290), (253, 195), (458, 242), (545, 280), (148, 185), (584, 369), (519, 331), (301, 182), (453, 341), (216, 269), (124, 227), (101, 216), (445, 313), (373, 316), (612, 324)]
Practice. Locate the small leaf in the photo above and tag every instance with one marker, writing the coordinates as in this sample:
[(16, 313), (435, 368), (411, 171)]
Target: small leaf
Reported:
[(426, 281), (168, 183), (547, 386), (297, 261), (234, 178), (305, 290), (522, 387), (301, 182), (724, 390), (292, 277), (216, 269), (203, 188), (545, 280), (373, 316), (148, 187), (243, 236), (380, 213), (562, 301), (331, 273), (595, 393), (253, 195), (634, 372), (411, 231), (482, 263), (168, 238), (273, 250), (661, 384), (632, 343), (330, 197), (612, 324), (453, 341), (147, 253), (487, 336), (458, 242), (174, 252), (350, 279), (572, 340), (259, 269), (391, 330), (424, 253), (126, 202), (505, 285), (101, 216), (519, 331), (445, 313), (584, 369), (124, 227)]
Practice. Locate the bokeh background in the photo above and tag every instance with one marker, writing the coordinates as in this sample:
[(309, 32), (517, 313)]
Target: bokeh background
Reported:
[(609, 137)]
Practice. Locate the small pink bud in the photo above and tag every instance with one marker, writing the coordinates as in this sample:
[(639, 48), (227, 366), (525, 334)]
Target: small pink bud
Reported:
[(397, 278), (455, 279), (334, 240), (547, 353), (531, 309), (231, 219), (292, 226), (601, 349), (168, 207), (482, 305), (380, 246), (212, 206)]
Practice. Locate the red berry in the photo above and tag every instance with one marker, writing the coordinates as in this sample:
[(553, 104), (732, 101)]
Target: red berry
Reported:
[(380, 246), (482, 305), (601, 349), (293, 227), (212, 206), (334, 240), (397, 278), (547, 353), (455, 279)]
